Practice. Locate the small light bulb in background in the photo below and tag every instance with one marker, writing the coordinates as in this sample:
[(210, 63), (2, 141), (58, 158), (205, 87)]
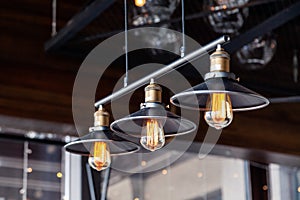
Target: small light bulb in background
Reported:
[(164, 172), (227, 17), (59, 175), (153, 137), (29, 170), (218, 112), (100, 156), (139, 3)]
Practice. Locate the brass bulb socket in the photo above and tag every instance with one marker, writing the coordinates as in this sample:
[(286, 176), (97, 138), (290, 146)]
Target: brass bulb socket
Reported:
[(220, 61), (101, 117), (153, 93)]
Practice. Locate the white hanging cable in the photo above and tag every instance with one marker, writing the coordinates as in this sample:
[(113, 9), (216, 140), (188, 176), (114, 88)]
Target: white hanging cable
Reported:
[(182, 49), (54, 31), (126, 44)]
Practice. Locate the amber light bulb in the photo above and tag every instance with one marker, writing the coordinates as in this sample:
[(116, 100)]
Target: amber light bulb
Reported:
[(153, 136), (99, 158), (218, 112), (140, 3)]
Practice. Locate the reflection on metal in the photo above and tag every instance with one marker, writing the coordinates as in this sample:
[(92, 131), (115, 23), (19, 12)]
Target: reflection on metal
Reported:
[(257, 54), (226, 17)]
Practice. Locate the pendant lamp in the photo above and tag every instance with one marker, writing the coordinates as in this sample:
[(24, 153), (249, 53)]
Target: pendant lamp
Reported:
[(101, 143), (152, 123), (220, 94)]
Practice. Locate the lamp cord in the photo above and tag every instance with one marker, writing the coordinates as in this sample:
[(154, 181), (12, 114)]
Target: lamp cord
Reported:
[(126, 44), (182, 49)]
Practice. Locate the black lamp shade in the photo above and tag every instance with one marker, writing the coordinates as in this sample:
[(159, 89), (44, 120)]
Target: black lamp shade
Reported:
[(242, 99), (173, 125), (117, 145)]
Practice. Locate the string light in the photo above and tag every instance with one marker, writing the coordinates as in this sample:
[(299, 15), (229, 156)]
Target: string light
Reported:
[(265, 187), (59, 175), (164, 172), (29, 169)]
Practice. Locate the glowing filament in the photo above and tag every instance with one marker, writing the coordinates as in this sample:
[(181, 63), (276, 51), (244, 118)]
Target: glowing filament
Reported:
[(218, 110)]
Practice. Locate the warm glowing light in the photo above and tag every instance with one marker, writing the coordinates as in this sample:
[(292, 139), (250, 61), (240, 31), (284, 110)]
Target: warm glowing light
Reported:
[(100, 156), (299, 189), (164, 171), (200, 175), (265, 187), (59, 175), (140, 3), (218, 110), (143, 163), (153, 137), (29, 169), (136, 198)]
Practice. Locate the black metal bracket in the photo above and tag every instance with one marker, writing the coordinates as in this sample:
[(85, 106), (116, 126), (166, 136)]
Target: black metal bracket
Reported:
[(78, 22), (268, 25)]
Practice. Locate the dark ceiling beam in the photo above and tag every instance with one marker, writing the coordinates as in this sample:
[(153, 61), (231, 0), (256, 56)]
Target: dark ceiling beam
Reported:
[(268, 25), (78, 22), (188, 17)]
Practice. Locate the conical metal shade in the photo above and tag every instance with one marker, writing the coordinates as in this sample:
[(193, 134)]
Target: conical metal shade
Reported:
[(242, 99), (117, 145), (173, 125)]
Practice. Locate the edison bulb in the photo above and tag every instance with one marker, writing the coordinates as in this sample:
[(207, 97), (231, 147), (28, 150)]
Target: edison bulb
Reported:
[(140, 3), (153, 136), (218, 112), (100, 156)]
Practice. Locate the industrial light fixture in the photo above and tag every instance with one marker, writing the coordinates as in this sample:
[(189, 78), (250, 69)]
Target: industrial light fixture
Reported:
[(220, 94), (101, 143), (151, 12), (152, 123), (258, 53), (227, 16)]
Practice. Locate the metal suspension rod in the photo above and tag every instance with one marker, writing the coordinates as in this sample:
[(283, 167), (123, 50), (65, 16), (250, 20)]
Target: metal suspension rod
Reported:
[(105, 183), (90, 181), (191, 56), (25, 172)]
